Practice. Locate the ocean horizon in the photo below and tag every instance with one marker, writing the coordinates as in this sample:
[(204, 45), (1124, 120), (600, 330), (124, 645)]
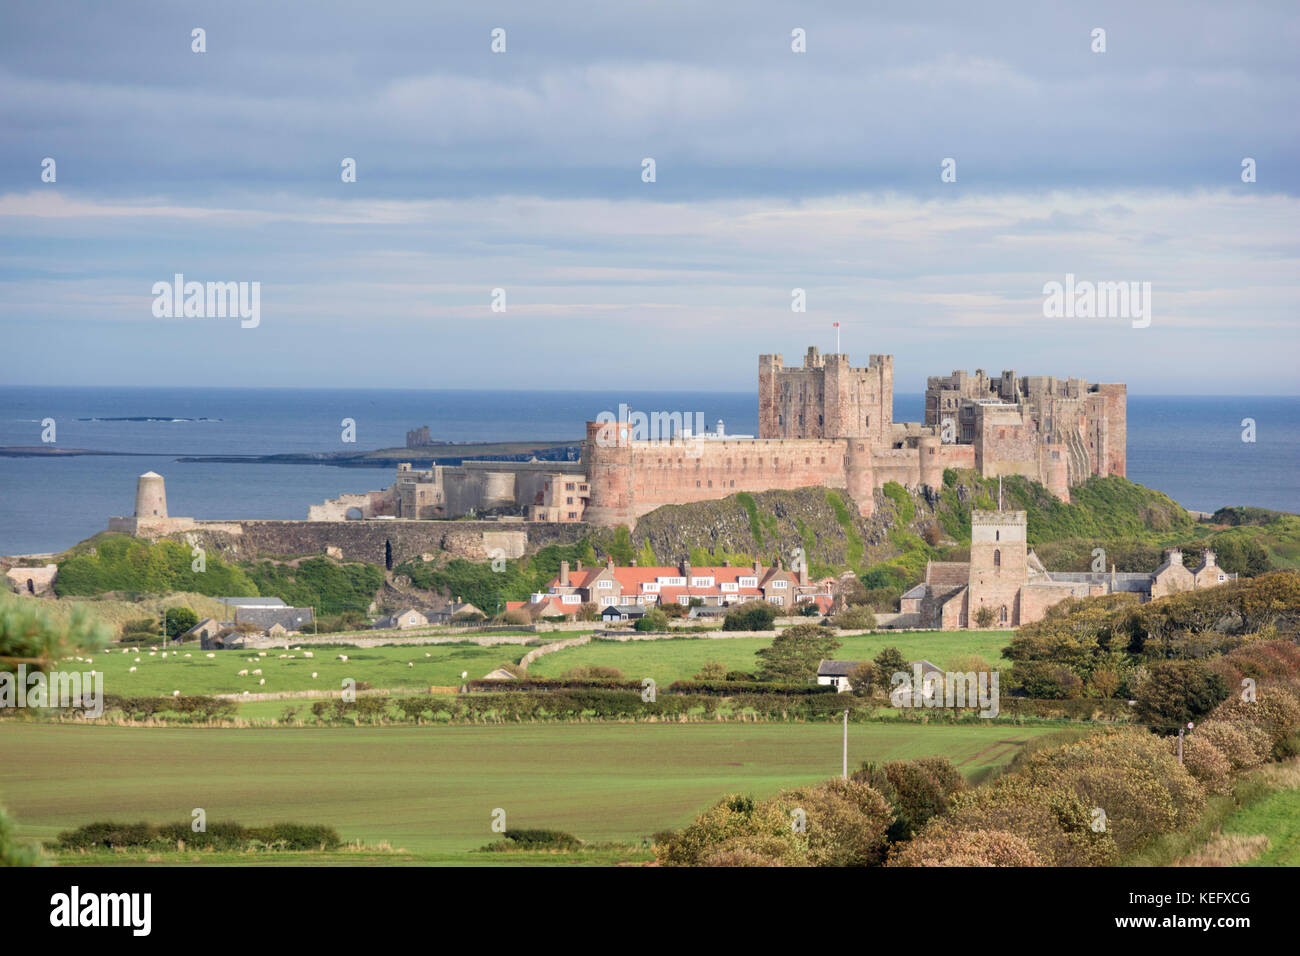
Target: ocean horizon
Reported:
[(1190, 447)]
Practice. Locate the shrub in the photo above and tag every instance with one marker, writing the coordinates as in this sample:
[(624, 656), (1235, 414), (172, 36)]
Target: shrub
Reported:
[(944, 845), (655, 620), (985, 616), (1273, 711), (588, 672), (751, 616), (516, 616), (1206, 762), (712, 671), (860, 618), (1045, 680), (516, 839), (916, 789)]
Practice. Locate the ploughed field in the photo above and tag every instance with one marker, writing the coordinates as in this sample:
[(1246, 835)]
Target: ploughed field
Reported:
[(432, 790)]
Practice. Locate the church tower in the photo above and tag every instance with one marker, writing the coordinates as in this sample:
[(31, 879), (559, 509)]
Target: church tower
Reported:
[(998, 564)]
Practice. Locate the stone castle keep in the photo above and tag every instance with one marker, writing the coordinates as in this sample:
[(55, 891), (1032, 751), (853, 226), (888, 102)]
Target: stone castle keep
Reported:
[(823, 423)]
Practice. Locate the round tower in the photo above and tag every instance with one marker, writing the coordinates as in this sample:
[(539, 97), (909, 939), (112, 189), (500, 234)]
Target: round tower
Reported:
[(931, 462), (607, 460), (860, 476), (150, 496)]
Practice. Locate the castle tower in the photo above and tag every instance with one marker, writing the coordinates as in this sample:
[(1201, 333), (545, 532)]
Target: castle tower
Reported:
[(998, 564), (607, 458), (826, 397), (860, 475), (150, 496)]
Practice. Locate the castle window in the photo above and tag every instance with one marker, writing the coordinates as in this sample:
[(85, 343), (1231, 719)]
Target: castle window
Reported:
[(807, 461), (997, 557), (1002, 616), (733, 484), (697, 484), (997, 535), (710, 482)]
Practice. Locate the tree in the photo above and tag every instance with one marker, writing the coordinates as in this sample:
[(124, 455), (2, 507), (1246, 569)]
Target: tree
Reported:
[(888, 663), (795, 653), (1176, 692), (985, 616), (588, 611), (29, 636), (179, 620), (646, 556)]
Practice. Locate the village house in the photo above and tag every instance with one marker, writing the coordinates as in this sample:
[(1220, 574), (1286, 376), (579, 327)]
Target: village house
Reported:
[(712, 587)]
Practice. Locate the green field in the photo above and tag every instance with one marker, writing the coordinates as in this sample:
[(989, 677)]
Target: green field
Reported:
[(1277, 817), (442, 664), (682, 658), (381, 667), (432, 790)]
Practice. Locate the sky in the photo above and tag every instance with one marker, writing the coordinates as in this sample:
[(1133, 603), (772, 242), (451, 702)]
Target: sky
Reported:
[(523, 171)]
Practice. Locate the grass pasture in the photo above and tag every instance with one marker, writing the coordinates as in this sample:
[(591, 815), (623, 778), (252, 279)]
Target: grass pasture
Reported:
[(681, 658), (432, 790), (381, 667)]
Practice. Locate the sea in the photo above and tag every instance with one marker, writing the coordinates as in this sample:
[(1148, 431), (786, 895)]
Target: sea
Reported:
[(1194, 448)]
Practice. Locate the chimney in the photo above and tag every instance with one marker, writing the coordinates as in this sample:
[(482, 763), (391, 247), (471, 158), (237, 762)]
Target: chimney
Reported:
[(803, 573), (758, 566), (609, 561), (634, 562), (579, 565), (685, 568), (564, 573), (1174, 555), (1210, 557)]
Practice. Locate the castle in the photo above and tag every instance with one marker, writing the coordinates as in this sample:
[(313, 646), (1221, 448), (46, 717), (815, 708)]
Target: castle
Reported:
[(826, 423), (823, 423), (1006, 577)]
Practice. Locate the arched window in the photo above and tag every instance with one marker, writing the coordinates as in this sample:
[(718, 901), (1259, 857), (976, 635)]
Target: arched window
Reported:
[(1002, 616), (997, 535), (997, 557)]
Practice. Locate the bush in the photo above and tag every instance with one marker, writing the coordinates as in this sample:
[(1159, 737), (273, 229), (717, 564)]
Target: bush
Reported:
[(858, 618), (653, 621), (218, 836), (916, 789), (712, 671), (535, 840), (1206, 762), (516, 616), (944, 845), (1244, 747), (985, 616), (751, 616)]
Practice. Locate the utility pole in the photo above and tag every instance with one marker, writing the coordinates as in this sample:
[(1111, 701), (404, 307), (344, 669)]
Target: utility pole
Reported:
[(846, 745)]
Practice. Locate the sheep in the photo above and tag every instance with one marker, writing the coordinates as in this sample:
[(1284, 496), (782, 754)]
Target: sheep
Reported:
[(343, 657), (212, 655), (427, 654), (306, 654), (130, 670), (176, 693), (257, 672), (90, 660), (153, 653), (243, 673), (262, 681), (261, 653), (313, 675), (137, 660), (187, 655), (283, 656), (410, 663)]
